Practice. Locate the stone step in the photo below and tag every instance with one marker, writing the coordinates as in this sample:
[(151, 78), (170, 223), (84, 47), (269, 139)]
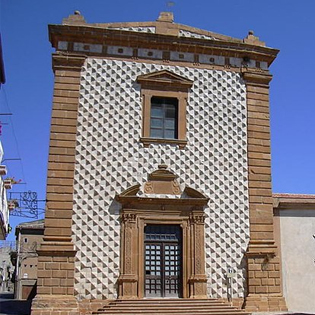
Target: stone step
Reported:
[(177, 312), (165, 300), (169, 306), (168, 301), (156, 306)]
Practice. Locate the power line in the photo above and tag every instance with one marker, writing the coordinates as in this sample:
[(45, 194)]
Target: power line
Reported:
[(13, 132)]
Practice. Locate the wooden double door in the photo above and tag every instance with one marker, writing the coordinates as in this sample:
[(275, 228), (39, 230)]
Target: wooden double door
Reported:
[(163, 261)]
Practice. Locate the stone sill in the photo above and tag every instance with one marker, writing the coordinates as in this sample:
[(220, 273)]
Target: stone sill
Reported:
[(147, 141)]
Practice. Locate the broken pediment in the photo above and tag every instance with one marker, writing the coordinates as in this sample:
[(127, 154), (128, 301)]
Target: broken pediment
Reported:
[(162, 181), (164, 77)]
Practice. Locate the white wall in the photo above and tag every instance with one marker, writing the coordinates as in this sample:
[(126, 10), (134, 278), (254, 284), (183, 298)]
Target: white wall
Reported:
[(4, 210), (298, 258), (110, 158)]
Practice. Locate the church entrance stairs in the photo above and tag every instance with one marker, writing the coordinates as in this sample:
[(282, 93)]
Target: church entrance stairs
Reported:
[(170, 306)]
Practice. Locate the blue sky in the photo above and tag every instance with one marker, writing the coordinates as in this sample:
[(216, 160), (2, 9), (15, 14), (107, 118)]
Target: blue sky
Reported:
[(284, 24)]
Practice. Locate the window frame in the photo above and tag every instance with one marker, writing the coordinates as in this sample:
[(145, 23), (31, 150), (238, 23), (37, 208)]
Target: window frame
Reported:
[(168, 85)]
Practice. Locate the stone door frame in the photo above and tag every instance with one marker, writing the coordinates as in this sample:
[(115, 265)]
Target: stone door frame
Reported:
[(136, 213)]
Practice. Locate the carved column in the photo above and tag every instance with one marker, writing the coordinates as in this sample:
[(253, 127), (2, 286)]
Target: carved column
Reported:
[(128, 279), (197, 279), (264, 279)]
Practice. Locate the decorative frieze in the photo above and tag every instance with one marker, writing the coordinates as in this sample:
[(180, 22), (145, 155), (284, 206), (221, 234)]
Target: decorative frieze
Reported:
[(155, 54), (94, 48)]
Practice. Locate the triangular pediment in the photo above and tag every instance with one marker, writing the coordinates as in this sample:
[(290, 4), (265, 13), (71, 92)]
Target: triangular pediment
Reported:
[(164, 77), (164, 25)]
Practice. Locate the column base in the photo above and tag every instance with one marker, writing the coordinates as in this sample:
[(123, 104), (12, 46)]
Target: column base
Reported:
[(55, 305), (128, 285), (198, 287), (265, 303)]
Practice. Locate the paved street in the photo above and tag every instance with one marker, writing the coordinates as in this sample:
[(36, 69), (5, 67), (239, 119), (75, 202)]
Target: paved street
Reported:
[(9, 306)]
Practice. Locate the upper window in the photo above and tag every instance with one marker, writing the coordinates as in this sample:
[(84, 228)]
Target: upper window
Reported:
[(164, 118), (164, 100)]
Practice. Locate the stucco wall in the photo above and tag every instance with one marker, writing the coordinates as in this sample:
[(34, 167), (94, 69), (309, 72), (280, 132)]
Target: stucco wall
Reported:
[(297, 228)]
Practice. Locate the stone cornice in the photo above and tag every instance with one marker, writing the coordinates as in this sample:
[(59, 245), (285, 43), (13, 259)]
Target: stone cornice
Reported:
[(261, 248), (256, 78), (97, 35), (192, 196), (293, 201), (128, 200)]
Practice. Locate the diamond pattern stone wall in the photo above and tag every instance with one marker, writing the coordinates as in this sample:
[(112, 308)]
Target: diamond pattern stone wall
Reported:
[(110, 158)]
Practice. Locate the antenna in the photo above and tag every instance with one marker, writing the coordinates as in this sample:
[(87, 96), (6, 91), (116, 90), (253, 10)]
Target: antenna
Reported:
[(170, 4)]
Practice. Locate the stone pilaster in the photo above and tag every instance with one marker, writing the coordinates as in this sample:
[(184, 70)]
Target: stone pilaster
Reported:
[(264, 279), (198, 279), (128, 280), (56, 256)]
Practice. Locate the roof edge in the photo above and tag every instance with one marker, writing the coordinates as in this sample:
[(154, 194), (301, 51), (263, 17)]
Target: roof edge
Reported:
[(293, 201), (164, 25)]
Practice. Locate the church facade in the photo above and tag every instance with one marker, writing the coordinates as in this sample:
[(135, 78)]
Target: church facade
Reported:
[(159, 179)]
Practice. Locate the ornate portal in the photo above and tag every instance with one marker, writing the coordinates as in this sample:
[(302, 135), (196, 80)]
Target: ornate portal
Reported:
[(162, 242)]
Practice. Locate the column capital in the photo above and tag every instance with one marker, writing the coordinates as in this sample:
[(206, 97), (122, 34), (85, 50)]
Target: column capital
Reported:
[(256, 78), (60, 246), (128, 217), (197, 218), (261, 248), (67, 62)]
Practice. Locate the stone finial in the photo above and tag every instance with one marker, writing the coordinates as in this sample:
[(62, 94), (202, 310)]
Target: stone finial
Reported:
[(253, 40), (166, 17), (166, 27), (162, 167)]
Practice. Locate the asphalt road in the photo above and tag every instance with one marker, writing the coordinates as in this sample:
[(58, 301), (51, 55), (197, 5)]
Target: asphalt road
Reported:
[(10, 306)]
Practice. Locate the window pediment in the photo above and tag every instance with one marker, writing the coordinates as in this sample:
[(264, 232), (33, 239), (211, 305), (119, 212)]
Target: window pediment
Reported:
[(164, 92), (164, 77)]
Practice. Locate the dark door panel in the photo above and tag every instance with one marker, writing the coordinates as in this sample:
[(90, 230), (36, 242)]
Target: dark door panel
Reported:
[(163, 260)]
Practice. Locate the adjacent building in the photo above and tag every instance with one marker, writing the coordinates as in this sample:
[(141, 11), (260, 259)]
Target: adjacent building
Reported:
[(295, 233), (29, 236), (4, 208), (6, 266), (159, 176)]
